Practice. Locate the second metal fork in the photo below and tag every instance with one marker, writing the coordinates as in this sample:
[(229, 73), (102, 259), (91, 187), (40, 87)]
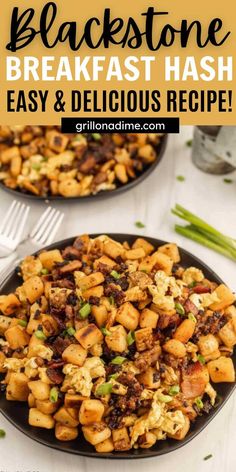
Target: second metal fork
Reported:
[(41, 235)]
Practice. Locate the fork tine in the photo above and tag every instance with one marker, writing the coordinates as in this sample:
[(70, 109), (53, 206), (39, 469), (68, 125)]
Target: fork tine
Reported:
[(23, 215), (55, 229), (41, 220), (14, 229), (11, 221), (47, 233), (38, 236), (8, 214)]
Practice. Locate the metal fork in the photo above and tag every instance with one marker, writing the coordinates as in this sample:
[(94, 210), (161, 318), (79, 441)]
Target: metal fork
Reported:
[(41, 235), (12, 227)]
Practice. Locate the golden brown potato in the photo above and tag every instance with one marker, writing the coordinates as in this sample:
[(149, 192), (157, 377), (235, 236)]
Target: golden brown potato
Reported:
[(40, 420), (117, 339), (144, 339), (33, 288), (73, 400), (17, 337), (96, 433), (148, 319), (93, 292), (175, 347), (39, 389), (171, 250), (90, 281), (226, 297), (221, 370), (113, 249), (227, 334), (9, 304), (105, 446), (17, 388), (185, 331), (89, 335), (100, 314), (150, 378), (133, 254), (67, 416), (64, 433), (74, 354), (145, 245), (2, 360), (128, 316), (208, 344), (31, 401), (121, 439), (91, 411), (46, 406)]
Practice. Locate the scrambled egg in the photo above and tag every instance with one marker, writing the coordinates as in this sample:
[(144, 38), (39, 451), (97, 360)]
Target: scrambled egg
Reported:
[(204, 300), (95, 367), (159, 419), (43, 351), (164, 283), (79, 379), (192, 274), (14, 364), (31, 367)]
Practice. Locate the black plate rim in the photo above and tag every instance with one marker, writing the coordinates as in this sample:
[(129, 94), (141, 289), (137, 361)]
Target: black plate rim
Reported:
[(140, 454), (161, 147)]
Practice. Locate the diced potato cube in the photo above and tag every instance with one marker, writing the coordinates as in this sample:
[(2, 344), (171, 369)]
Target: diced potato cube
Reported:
[(163, 262), (185, 331), (17, 388), (100, 314), (89, 335), (221, 370), (104, 260), (175, 347), (171, 250), (17, 337), (148, 318), (65, 433), (128, 316), (105, 446), (208, 344), (90, 281), (96, 433), (144, 244), (67, 416), (150, 378), (73, 400), (39, 389), (226, 298), (33, 288), (46, 406), (40, 420), (49, 258), (144, 339), (31, 401), (9, 304), (2, 360), (74, 354), (133, 254), (121, 439), (94, 292), (117, 339), (91, 411), (113, 249), (227, 334)]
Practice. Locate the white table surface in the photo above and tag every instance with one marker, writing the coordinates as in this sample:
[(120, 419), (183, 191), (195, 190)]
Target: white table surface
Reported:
[(150, 202)]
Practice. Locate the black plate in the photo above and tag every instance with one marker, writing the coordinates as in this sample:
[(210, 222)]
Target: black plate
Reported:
[(17, 413), (160, 149)]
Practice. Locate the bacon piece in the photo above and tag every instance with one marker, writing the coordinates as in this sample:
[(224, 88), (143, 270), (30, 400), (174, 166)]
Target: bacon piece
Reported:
[(195, 378), (55, 375), (190, 307), (201, 289)]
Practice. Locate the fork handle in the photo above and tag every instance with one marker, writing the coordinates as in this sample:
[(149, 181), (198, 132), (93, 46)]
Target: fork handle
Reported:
[(4, 274)]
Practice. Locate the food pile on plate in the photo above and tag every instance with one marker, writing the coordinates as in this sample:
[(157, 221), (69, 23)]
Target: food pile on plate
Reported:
[(120, 344), (42, 161)]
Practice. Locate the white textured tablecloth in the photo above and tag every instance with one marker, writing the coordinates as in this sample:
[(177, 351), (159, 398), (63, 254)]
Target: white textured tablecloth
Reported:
[(150, 202)]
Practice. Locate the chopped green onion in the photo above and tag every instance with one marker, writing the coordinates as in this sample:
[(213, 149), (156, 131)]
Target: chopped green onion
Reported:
[(192, 317), (71, 331), (104, 389), (180, 178), (111, 300), (174, 390), (53, 395), (207, 457), (44, 271), (22, 323), (201, 359), (228, 181), (199, 403), (105, 331), (113, 376), (36, 166), (189, 143), (180, 309), (164, 398), (2, 433), (97, 136), (193, 284), (130, 338), (115, 274), (118, 360), (139, 224), (85, 311), (40, 335)]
